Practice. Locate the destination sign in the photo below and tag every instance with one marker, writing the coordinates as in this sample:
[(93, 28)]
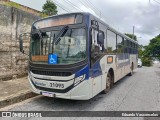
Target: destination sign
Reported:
[(58, 21)]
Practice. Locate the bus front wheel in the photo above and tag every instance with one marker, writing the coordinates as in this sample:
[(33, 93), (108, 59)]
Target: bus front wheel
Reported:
[(109, 83)]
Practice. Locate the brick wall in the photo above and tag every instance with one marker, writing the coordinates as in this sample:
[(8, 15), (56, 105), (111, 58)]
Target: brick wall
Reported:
[(21, 7), (12, 23)]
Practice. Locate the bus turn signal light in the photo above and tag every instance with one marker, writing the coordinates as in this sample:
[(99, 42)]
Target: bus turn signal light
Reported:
[(109, 59)]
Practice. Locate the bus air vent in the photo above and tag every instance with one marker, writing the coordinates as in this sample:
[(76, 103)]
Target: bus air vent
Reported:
[(51, 73)]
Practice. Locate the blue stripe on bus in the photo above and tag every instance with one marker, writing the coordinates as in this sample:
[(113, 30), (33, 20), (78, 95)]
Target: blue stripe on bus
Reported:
[(95, 70), (83, 71)]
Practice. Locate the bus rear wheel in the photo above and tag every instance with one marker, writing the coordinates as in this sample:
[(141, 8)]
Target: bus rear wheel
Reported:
[(131, 73), (109, 83)]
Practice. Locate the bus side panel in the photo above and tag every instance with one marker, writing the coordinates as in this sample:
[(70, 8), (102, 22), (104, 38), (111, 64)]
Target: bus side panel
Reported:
[(96, 85), (96, 73), (82, 92), (109, 66), (99, 83), (134, 59), (123, 65)]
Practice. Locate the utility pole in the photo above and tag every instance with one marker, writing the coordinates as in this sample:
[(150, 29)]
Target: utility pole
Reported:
[(133, 33)]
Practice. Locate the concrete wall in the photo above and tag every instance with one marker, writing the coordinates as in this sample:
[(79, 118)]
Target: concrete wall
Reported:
[(19, 6), (12, 23)]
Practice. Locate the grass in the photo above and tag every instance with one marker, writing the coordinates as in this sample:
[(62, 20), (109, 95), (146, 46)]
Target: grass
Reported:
[(11, 4)]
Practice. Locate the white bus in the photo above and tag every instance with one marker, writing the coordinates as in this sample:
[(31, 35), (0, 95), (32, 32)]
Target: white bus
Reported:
[(76, 56)]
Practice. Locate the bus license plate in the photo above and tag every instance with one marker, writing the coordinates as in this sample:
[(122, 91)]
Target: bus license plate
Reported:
[(47, 94)]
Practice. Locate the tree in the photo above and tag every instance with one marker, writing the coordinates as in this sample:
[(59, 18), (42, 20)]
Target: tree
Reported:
[(134, 37), (153, 49), (49, 8)]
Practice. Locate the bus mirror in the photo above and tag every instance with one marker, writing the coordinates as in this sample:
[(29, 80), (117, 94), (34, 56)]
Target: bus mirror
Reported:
[(94, 24), (100, 38), (21, 44), (22, 37)]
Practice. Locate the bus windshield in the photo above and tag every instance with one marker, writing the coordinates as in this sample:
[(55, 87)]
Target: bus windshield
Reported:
[(69, 44)]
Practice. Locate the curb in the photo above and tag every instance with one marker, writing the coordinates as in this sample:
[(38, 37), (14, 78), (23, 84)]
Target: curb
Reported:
[(16, 98), (11, 77)]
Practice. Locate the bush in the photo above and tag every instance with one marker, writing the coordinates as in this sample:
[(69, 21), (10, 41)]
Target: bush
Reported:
[(42, 15), (146, 61)]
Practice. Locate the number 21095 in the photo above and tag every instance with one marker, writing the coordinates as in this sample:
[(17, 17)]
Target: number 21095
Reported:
[(57, 85)]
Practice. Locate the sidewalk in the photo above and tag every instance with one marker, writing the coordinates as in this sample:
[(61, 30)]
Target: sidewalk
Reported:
[(14, 91)]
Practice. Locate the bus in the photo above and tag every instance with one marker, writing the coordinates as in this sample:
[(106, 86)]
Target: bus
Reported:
[(77, 56)]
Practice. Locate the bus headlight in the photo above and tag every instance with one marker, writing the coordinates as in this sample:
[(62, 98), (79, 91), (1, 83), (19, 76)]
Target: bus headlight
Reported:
[(79, 79)]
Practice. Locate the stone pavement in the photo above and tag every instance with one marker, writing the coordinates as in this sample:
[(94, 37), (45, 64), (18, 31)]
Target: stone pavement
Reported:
[(13, 91)]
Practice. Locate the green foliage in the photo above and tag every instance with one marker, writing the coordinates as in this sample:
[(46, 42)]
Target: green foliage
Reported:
[(146, 61), (42, 15), (153, 49), (12, 4), (49, 8), (140, 53), (134, 37)]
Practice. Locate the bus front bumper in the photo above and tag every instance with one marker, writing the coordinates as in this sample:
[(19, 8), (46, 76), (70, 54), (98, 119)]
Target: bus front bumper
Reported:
[(82, 91)]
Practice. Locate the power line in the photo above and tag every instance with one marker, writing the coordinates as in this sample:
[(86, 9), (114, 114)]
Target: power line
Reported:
[(94, 6), (102, 16), (156, 1), (61, 6), (73, 5), (86, 3)]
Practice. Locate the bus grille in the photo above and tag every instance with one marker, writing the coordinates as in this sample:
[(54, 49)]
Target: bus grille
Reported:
[(51, 73)]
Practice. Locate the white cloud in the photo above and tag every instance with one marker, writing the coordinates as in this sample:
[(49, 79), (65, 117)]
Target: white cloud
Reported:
[(121, 14)]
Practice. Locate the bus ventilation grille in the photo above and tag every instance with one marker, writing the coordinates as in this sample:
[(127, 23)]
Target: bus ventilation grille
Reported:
[(51, 73)]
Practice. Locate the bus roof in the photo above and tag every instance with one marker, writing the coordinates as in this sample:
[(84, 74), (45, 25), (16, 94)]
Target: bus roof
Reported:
[(90, 15)]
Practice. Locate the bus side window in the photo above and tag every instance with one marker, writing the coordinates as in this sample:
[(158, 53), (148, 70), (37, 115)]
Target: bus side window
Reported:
[(111, 42), (95, 50), (125, 46), (119, 44), (98, 41)]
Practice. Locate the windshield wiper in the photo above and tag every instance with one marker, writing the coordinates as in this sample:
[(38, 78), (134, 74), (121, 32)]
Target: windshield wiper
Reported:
[(61, 34)]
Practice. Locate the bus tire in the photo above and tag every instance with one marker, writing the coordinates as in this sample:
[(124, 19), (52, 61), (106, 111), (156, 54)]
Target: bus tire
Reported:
[(131, 73), (109, 83)]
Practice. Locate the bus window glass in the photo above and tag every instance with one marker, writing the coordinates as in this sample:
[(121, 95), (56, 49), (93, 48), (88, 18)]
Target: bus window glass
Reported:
[(95, 49), (125, 46), (111, 42), (70, 48), (119, 44), (103, 29)]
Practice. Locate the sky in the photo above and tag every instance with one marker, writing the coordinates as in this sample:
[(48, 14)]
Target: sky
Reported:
[(122, 15)]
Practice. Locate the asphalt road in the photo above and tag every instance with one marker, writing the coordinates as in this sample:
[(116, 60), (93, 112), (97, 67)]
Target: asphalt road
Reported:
[(140, 92)]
